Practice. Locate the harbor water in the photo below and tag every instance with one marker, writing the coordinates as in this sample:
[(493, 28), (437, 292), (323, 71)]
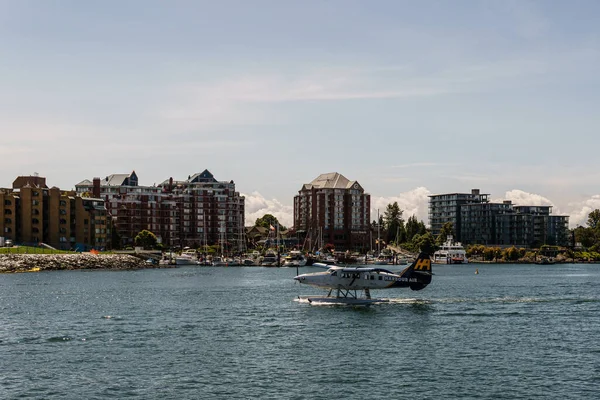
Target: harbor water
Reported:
[(508, 332)]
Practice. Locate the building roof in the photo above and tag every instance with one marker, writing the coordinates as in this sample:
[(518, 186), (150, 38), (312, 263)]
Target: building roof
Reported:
[(115, 180), (204, 176), (34, 181), (332, 180), (85, 182)]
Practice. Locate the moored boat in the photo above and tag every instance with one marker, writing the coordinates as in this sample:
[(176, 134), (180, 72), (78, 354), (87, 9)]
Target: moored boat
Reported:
[(450, 252), (186, 259), (269, 259), (294, 259)]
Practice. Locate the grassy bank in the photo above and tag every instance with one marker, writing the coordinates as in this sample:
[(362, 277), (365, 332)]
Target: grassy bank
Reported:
[(32, 250)]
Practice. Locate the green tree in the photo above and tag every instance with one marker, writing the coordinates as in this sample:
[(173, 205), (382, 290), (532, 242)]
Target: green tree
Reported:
[(146, 239), (511, 254), (447, 229), (412, 228), (394, 224), (593, 220), (585, 236), (268, 220), (425, 242)]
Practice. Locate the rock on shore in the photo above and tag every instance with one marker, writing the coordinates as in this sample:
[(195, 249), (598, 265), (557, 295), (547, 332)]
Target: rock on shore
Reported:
[(53, 262)]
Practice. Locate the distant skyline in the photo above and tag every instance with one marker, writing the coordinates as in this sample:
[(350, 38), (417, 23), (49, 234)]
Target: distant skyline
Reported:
[(408, 98)]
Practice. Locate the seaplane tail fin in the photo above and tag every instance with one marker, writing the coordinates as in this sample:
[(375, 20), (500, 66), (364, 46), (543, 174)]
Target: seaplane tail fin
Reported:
[(419, 272)]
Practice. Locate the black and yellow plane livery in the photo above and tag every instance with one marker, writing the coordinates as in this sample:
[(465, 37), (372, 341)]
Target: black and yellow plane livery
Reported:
[(347, 281)]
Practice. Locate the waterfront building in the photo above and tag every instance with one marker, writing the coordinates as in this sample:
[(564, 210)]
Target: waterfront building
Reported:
[(333, 209), (193, 212), (444, 208), (505, 224), (33, 213)]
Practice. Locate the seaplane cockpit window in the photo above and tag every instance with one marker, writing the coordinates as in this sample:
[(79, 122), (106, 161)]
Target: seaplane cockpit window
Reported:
[(334, 273)]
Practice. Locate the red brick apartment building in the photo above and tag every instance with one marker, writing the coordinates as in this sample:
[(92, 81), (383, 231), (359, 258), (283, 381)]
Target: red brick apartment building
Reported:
[(333, 209), (32, 214), (193, 212)]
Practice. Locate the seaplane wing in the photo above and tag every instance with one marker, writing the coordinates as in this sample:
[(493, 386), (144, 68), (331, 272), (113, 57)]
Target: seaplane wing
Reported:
[(345, 280), (350, 269), (323, 265)]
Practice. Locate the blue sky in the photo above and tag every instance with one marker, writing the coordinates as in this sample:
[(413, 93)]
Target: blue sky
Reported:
[(409, 98)]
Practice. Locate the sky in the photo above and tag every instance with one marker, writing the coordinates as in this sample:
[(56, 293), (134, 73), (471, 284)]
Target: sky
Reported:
[(409, 98)]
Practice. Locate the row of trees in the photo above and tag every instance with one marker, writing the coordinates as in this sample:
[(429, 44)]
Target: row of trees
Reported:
[(411, 234), (589, 236), (395, 229)]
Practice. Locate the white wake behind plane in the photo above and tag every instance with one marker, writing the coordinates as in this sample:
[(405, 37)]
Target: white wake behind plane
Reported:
[(353, 286)]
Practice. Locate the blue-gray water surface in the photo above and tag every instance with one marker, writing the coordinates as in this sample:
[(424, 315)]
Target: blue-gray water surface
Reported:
[(512, 331)]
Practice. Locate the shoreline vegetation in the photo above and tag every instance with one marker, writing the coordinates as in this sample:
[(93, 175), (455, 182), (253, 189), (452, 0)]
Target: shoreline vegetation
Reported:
[(544, 255), (10, 263)]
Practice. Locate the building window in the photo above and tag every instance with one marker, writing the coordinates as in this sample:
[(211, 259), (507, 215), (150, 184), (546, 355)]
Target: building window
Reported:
[(7, 212), (7, 221), (35, 221), (7, 202)]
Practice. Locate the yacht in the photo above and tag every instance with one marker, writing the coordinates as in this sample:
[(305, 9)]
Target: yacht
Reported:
[(218, 261), (294, 259), (383, 259), (450, 252), (251, 259), (269, 260), (187, 259)]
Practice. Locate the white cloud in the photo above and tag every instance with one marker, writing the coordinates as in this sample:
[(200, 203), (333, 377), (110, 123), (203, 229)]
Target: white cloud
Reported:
[(579, 211), (257, 206), (522, 198), (413, 202)]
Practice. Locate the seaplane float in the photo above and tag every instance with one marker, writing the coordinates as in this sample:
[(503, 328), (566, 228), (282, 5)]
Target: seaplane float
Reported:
[(353, 285)]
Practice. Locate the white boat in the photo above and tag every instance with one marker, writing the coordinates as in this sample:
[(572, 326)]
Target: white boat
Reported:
[(269, 260), (251, 259), (450, 252), (384, 260), (220, 261), (186, 259), (294, 259)]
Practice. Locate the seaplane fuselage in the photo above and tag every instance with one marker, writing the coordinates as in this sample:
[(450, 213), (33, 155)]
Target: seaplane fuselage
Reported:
[(416, 276), (355, 278)]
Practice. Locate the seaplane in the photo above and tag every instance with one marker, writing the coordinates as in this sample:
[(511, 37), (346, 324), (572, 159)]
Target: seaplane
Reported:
[(353, 285)]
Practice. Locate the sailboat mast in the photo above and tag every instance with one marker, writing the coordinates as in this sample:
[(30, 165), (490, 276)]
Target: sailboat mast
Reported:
[(378, 238), (277, 241)]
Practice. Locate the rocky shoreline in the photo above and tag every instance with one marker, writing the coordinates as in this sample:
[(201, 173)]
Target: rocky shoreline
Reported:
[(55, 262)]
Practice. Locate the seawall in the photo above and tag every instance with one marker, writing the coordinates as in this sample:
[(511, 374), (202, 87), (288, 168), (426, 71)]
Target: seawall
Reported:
[(55, 262)]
